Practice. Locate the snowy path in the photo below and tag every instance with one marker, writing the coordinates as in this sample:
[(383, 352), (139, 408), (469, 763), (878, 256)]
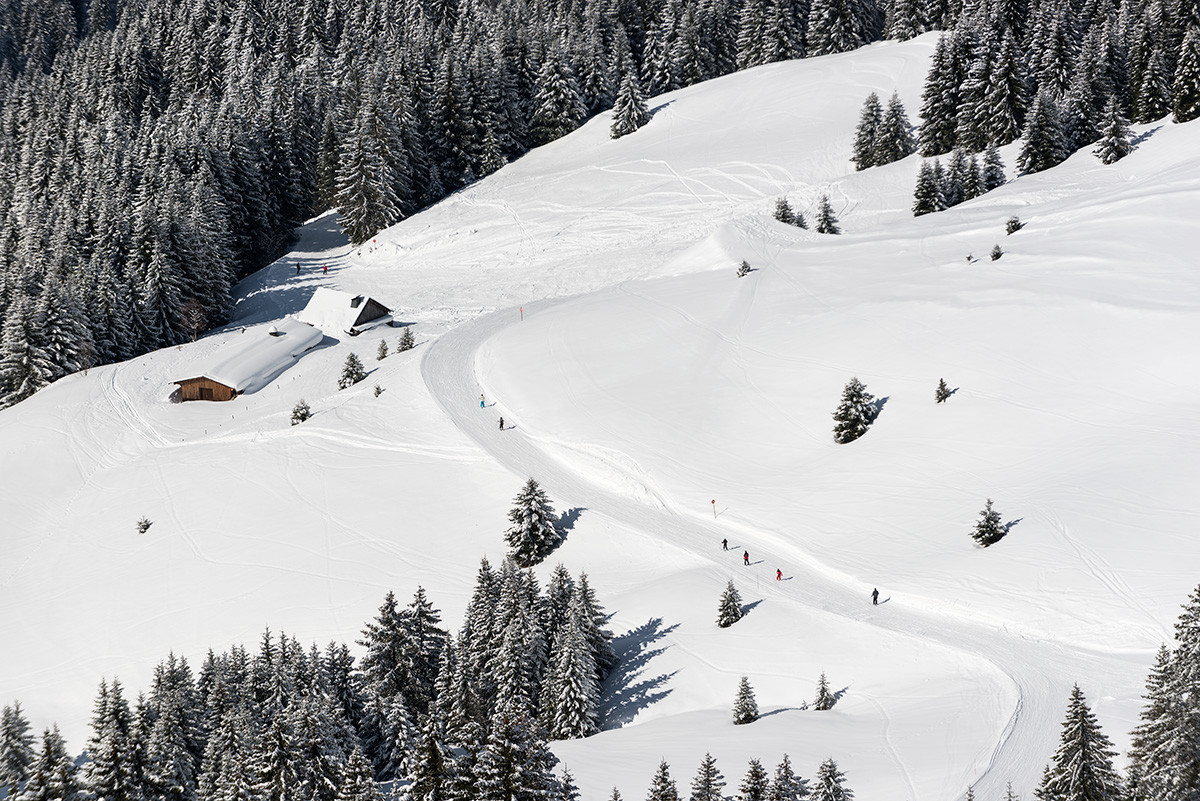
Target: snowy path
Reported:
[(1041, 671)]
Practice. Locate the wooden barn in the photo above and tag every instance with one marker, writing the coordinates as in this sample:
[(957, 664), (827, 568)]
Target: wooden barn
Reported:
[(331, 310), (250, 361)]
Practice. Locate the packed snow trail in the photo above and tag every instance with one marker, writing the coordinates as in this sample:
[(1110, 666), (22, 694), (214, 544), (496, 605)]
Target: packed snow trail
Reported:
[(1041, 671)]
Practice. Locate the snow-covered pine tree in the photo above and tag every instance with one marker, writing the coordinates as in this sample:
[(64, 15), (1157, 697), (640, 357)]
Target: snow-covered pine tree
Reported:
[(1012, 225), (629, 111), (534, 532), (384, 641), (1154, 95), (558, 106), (992, 173), (567, 789), (1186, 89), (423, 641), (592, 622), (783, 211), (572, 687), (786, 785), (428, 773), (827, 221), (382, 351), (756, 786), (1082, 769), (729, 611), (863, 152), (1042, 145), (1006, 97), (940, 100), (954, 190), (830, 784), (25, 367), (988, 529), (358, 784), (825, 697), (515, 763), (175, 744), (854, 414), (52, 774), (352, 372), (708, 781), (662, 786), (300, 412), (114, 772), (927, 195), (371, 163), (16, 749), (745, 708), (1116, 140), (894, 139), (942, 394), (995, 253), (743, 269), (406, 340)]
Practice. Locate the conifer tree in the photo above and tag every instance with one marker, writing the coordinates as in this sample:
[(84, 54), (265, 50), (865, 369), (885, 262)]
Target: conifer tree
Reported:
[(114, 772), (16, 749), (745, 708), (786, 785), (825, 698), (300, 412), (1042, 145), (428, 775), (558, 105), (953, 184), (927, 195), (708, 782), (25, 367), (1006, 96), (988, 529), (756, 786), (629, 110), (1154, 94), (52, 774), (830, 784), (827, 221), (352, 372), (1082, 769), (515, 764), (893, 138), (573, 687), (382, 351), (1152, 772), (863, 154), (992, 174), (662, 786), (1116, 140), (534, 531), (359, 785), (943, 392), (940, 100), (783, 211), (1186, 89), (730, 609), (854, 414), (406, 340)]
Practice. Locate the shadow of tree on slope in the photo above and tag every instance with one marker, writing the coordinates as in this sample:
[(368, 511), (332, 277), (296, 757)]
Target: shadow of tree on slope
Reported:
[(625, 691)]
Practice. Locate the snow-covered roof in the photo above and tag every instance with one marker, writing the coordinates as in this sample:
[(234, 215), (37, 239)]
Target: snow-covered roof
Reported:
[(255, 357), (332, 311)]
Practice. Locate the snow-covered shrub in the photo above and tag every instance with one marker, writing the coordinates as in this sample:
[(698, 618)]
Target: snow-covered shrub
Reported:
[(300, 412)]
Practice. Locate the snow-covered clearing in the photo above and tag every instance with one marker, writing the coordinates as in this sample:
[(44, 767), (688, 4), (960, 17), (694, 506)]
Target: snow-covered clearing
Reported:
[(589, 291)]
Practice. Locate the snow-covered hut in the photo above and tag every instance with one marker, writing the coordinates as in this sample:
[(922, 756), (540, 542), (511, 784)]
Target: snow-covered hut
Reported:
[(332, 310), (251, 361)]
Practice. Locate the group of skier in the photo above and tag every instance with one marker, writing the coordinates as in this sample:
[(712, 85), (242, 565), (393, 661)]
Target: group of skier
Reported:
[(779, 572)]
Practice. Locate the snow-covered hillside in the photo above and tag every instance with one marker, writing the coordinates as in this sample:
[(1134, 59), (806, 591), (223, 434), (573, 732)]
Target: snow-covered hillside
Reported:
[(589, 292)]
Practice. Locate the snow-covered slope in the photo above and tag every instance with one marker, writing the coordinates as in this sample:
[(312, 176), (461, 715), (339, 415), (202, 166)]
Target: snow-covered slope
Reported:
[(664, 384)]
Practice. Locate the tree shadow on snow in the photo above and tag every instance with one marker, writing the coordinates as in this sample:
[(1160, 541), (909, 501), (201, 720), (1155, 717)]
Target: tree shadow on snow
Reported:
[(747, 607), (1137, 140), (566, 520), (1010, 524), (878, 407), (780, 711), (625, 691), (837, 696)]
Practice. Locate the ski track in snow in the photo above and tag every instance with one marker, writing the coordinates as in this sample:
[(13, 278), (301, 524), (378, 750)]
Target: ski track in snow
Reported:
[(1041, 672)]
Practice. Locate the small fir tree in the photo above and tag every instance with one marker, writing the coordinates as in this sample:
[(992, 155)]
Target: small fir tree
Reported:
[(827, 221), (783, 211), (745, 708), (378, 390), (988, 529), (143, 525), (629, 110), (662, 786), (825, 698), (943, 392), (855, 413), (352, 372), (830, 784), (894, 139), (300, 412), (382, 352), (743, 269), (996, 253), (927, 195), (1012, 225), (708, 782), (730, 609), (863, 154), (1116, 140), (533, 534), (757, 785), (992, 174), (16, 749), (406, 340), (786, 785)]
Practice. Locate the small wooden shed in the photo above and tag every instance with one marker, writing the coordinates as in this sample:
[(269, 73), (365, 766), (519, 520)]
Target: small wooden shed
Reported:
[(331, 310), (250, 361)]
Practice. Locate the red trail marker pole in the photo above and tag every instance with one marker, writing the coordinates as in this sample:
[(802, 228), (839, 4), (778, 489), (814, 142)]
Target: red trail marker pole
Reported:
[(714, 503)]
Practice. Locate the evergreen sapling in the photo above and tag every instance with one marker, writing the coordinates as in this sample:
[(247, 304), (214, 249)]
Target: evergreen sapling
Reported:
[(988, 529), (730, 609), (943, 392), (382, 352), (825, 698), (406, 340), (757, 785), (745, 708), (854, 414), (827, 221), (300, 412), (996, 253), (352, 372)]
